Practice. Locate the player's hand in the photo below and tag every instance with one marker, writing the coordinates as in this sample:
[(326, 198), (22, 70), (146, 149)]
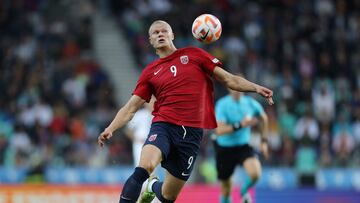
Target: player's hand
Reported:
[(264, 148), (265, 92), (105, 135), (248, 121)]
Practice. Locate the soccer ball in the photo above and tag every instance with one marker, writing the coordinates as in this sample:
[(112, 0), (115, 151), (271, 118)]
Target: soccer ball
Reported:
[(206, 28)]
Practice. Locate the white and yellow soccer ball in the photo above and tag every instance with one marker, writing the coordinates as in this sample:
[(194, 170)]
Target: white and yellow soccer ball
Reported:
[(206, 28)]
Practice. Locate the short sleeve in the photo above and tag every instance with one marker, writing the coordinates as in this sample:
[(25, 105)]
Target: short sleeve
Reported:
[(143, 88), (258, 109), (208, 61), (220, 112)]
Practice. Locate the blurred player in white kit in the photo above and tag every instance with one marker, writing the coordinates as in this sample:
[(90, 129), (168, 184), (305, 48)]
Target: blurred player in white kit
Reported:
[(138, 129)]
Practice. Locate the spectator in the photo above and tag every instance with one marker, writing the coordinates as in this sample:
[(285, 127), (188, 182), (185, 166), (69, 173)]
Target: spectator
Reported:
[(138, 129), (40, 54), (325, 145), (307, 127), (324, 102)]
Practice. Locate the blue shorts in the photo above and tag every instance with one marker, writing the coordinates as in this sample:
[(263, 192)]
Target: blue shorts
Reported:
[(179, 146)]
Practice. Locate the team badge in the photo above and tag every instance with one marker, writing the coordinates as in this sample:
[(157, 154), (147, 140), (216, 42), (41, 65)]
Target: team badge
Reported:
[(152, 137), (184, 59), (215, 60)]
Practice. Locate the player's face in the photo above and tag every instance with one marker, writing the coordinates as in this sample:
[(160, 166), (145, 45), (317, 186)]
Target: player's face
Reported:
[(160, 35)]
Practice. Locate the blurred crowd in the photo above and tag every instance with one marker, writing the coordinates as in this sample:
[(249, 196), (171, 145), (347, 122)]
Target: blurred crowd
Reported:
[(307, 51), (54, 96)]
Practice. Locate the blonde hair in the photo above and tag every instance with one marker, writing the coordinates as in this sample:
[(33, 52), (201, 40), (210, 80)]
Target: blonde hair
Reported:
[(160, 21)]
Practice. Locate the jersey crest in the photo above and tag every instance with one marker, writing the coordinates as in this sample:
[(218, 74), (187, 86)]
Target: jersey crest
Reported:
[(184, 59), (152, 137)]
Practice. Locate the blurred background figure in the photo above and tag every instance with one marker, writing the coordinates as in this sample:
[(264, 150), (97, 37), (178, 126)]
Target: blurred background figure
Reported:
[(236, 114), (138, 129)]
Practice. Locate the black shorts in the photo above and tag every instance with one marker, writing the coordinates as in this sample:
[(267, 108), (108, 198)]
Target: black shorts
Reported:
[(179, 146), (227, 158)]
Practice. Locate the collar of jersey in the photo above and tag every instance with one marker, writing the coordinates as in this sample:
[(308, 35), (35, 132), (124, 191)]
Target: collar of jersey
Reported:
[(171, 56)]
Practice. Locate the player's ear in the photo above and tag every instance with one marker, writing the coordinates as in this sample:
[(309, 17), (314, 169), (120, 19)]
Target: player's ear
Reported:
[(172, 36)]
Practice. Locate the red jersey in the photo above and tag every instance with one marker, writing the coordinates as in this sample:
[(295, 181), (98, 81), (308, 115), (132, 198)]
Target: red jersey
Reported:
[(182, 85)]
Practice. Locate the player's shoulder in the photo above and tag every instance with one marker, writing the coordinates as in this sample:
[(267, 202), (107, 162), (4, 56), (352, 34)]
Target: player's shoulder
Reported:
[(192, 49), (151, 65)]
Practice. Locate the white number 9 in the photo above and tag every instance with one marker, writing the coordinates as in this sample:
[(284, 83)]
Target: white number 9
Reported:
[(173, 70), (190, 161)]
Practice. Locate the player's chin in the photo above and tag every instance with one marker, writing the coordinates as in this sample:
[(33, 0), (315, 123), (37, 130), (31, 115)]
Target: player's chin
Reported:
[(161, 45)]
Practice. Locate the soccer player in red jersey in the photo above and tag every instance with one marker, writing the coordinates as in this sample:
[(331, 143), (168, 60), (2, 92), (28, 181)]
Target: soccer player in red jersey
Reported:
[(181, 82)]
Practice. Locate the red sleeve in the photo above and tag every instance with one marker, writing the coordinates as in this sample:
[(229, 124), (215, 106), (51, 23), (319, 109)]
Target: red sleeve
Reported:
[(143, 88), (208, 61)]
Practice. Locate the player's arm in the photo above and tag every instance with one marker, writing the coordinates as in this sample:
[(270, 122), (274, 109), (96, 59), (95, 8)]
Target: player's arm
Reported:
[(124, 115), (240, 84)]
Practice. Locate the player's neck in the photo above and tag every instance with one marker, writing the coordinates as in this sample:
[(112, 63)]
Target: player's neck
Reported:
[(165, 51)]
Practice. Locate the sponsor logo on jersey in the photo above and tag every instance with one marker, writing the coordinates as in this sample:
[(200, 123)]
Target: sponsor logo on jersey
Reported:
[(155, 73), (152, 137), (215, 60), (184, 59)]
